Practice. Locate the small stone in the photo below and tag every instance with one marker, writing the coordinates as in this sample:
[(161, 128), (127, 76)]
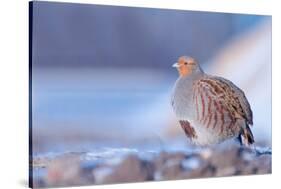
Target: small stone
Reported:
[(64, 171), (131, 169), (164, 157), (225, 158), (100, 174), (172, 169), (227, 171), (264, 165), (206, 170), (206, 153), (191, 163)]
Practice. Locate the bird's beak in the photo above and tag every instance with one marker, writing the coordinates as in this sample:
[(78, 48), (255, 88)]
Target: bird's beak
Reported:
[(175, 65)]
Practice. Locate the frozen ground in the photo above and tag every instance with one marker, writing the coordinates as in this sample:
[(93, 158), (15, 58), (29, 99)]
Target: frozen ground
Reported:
[(119, 165)]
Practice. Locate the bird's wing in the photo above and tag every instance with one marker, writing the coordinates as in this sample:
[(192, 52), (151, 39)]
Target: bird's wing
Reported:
[(229, 95)]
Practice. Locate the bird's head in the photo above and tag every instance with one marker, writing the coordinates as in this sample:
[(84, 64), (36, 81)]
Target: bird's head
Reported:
[(187, 65)]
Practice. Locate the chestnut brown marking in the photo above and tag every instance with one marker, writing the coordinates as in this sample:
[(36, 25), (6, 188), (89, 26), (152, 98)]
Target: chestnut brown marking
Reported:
[(195, 99), (209, 108), (217, 88), (209, 121), (216, 119), (188, 129), (203, 106), (216, 116), (197, 110), (221, 111)]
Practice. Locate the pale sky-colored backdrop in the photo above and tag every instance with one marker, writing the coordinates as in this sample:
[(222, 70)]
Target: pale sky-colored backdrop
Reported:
[(102, 75)]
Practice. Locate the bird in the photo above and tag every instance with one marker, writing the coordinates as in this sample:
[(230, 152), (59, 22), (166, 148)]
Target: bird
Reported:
[(210, 109)]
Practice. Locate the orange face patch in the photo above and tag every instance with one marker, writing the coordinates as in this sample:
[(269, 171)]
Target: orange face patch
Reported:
[(186, 65)]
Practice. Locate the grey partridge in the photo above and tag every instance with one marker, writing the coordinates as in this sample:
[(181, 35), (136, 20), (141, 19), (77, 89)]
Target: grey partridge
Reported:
[(210, 109)]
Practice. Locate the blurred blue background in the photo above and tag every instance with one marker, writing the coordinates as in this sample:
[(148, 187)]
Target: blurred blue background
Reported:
[(102, 75)]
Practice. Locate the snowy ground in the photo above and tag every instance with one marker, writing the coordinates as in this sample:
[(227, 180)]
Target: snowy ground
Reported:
[(121, 165)]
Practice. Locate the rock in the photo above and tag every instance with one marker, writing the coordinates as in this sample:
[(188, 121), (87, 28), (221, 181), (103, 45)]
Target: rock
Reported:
[(131, 169), (168, 165), (225, 158), (205, 170), (86, 171), (264, 164), (206, 153), (64, 171), (172, 169), (164, 157), (259, 165), (227, 171), (192, 162), (101, 174)]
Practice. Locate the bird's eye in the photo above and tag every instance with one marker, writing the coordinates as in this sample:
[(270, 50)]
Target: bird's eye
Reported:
[(185, 63)]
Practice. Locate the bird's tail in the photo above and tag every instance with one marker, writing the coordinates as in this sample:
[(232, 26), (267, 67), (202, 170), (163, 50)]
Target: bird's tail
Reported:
[(246, 136)]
